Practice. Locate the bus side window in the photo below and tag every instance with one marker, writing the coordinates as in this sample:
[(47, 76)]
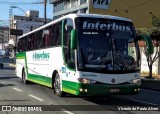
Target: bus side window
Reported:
[(24, 44), (29, 43), (40, 40), (47, 37), (32, 41), (55, 38), (35, 41), (56, 34)]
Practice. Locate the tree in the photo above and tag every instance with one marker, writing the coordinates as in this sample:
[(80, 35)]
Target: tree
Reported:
[(154, 34)]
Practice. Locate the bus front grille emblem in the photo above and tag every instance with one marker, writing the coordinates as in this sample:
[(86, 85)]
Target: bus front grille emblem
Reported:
[(113, 80)]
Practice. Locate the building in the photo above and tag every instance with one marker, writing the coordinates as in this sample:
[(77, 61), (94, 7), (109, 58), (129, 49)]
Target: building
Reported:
[(63, 7), (137, 10), (27, 23), (4, 37)]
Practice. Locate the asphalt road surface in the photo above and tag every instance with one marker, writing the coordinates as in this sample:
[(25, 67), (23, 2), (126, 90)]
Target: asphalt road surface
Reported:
[(14, 93)]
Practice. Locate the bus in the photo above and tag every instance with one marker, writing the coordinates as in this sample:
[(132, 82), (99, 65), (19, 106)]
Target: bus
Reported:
[(83, 55)]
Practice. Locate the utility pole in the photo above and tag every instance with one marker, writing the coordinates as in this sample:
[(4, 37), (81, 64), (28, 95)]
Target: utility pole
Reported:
[(45, 9)]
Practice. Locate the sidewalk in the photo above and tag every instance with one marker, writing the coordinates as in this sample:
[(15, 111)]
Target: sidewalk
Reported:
[(157, 76), (151, 84)]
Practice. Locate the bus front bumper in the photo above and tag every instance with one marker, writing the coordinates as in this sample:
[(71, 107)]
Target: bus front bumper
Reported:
[(106, 90)]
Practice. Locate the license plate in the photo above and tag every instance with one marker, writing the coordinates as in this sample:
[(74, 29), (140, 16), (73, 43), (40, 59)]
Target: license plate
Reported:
[(114, 90)]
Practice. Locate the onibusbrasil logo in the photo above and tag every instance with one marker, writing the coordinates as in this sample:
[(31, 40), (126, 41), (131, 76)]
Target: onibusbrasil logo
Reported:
[(41, 56)]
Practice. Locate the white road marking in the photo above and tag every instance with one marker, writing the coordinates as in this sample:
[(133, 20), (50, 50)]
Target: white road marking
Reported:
[(151, 90), (36, 97), (143, 102), (17, 89), (68, 112), (3, 83)]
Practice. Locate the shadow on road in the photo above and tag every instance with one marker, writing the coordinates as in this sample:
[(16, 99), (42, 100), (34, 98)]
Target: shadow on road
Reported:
[(121, 100), (115, 101), (6, 78), (6, 85)]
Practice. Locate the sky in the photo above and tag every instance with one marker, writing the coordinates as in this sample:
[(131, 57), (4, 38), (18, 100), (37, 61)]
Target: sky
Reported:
[(5, 6)]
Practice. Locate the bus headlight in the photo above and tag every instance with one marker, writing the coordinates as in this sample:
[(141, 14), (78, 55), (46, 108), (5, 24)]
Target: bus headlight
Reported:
[(135, 81), (86, 81)]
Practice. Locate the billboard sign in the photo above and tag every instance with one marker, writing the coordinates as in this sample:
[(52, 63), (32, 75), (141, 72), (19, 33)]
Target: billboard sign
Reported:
[(16, 32), (101, 4)]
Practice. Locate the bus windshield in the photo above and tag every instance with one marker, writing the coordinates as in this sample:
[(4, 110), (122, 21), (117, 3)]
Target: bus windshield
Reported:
[(107, 45)]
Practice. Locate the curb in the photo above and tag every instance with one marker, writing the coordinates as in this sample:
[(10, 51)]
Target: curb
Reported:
[(150, 84)]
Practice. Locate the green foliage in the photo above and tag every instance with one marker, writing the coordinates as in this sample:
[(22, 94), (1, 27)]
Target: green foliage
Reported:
[(155, 20), (154, 33), (143, 31)]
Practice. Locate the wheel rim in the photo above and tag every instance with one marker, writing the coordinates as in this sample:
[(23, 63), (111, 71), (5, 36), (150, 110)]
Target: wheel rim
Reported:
[(57, 85)]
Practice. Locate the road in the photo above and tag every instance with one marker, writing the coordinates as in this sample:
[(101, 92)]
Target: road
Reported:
[(13, 92)]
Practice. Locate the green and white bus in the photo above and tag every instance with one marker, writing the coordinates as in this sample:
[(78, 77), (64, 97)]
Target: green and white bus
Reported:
[(83, 55)]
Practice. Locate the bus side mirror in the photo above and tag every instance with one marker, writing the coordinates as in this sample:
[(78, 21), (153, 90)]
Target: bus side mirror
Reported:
[(73, 43)]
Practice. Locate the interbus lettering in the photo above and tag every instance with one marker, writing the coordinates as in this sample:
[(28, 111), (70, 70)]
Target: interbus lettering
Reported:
[(42, 55), (104, 26)]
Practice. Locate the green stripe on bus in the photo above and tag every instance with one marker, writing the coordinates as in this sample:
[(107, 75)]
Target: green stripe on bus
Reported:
[(21, 55), (67, 90), (43, 80), (70, 87)]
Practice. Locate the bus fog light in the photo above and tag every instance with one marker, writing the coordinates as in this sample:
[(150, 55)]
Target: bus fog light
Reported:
[(81, 90)]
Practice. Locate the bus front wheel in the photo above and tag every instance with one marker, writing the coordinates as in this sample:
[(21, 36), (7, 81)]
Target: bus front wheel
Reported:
[(24, 77), (57, 86)]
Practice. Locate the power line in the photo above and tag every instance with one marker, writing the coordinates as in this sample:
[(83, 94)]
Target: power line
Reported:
[(20, 3)]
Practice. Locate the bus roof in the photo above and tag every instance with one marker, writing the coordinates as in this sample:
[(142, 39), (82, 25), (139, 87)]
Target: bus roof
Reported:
[(73, 16), (99, 16)]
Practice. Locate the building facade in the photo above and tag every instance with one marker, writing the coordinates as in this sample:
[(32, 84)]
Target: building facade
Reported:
[(4, 37), (139, 11), (27, 23), (63, 7)]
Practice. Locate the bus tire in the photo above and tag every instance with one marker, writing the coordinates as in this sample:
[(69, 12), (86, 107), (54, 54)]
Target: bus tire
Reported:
[(57, 86), (24, 77)]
